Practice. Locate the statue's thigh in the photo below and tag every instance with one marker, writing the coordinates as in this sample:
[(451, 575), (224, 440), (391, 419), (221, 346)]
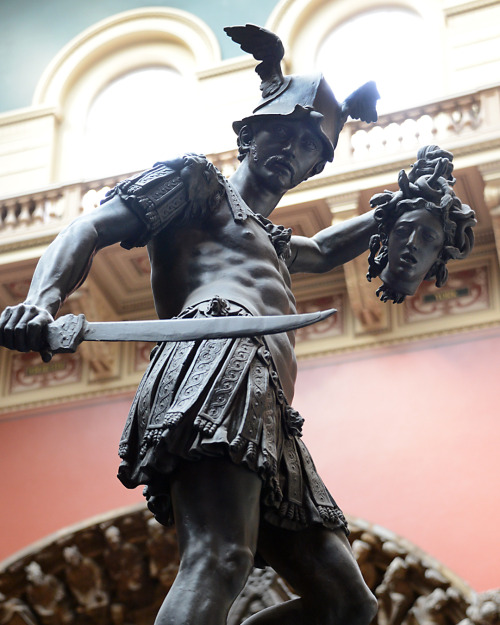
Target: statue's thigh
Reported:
[(315, 561), (216, 501)]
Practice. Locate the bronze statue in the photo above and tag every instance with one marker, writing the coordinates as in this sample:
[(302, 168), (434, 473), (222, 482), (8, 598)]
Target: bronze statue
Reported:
[(420, 227), (211, 432)]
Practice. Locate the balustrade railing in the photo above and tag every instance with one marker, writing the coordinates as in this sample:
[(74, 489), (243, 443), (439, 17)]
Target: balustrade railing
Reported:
[(50, 209), (446, 122), (443, 123)]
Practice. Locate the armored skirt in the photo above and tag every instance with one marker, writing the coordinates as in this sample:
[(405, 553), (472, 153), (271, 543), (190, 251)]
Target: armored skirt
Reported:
[(222, 398)]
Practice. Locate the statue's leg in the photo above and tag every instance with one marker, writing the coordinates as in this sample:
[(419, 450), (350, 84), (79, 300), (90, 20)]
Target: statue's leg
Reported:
[(322, 570), (216, 508)]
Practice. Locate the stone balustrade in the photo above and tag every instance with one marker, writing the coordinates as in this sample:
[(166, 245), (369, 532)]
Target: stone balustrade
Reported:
[(448, 123), (46, 211)]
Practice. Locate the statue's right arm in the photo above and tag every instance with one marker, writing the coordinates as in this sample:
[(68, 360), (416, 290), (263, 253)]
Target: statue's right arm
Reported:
[(132, 213), (62, 269)]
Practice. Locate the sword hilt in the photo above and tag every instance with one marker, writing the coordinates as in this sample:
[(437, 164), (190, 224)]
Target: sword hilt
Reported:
[(66, 333)]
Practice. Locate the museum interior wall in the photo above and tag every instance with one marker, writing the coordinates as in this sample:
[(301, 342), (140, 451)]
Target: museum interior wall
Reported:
[(400, 401)]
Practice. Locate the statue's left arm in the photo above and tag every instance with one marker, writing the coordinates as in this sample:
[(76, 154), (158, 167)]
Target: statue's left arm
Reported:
[(332, 246)]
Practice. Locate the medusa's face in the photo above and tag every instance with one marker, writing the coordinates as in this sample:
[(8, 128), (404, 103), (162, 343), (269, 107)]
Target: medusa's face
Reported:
[(415, 243)]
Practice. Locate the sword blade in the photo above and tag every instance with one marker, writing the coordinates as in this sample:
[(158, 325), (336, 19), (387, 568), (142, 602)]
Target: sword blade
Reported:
[(67, 332), (204, 328)]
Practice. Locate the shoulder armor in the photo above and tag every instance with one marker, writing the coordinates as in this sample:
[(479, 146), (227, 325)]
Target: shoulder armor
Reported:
[(171, 192)]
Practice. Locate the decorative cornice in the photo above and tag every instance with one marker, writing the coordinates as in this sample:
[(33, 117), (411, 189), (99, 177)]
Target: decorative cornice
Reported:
[(306, 351), (237, 64), (124, 390), (467, 7), (27, 114), (379, 167), (383, 344)]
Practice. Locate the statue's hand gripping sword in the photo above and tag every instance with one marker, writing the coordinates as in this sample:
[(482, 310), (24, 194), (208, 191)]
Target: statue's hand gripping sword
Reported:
[(67, 332)]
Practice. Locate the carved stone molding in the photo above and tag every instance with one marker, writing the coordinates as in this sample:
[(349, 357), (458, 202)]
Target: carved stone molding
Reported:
[(118, 568), (468, 7)]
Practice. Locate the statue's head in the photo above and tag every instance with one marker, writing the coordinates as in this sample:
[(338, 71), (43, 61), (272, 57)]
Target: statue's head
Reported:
[(281, 152), (420, 227), (305, 100)]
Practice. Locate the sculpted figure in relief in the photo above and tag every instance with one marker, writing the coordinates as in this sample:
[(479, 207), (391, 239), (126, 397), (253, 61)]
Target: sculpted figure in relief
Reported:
[(47, 596), (84, 579)]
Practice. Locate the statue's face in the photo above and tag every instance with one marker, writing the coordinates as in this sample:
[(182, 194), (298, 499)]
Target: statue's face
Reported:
[(415, 243), (284, 152)]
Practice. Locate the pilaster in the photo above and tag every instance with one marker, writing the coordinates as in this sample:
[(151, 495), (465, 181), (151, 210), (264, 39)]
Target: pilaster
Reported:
[(370, 314)]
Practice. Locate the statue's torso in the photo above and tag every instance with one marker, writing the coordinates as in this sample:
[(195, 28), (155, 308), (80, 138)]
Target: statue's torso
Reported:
[(235, 260)]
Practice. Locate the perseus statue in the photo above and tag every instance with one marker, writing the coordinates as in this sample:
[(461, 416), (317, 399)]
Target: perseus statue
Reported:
[(211, 433)]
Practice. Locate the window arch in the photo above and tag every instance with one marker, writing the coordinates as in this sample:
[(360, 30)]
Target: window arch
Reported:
[(389, 45), (126, 47), (343, 39), (139, 118)]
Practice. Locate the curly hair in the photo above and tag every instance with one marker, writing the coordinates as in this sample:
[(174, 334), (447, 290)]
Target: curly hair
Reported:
[(428, 186)]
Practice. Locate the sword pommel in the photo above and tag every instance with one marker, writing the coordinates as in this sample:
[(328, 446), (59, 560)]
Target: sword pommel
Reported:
[(66, 333)]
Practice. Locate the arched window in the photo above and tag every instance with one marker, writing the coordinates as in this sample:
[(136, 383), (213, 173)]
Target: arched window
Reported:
[(392, 46), (139, 118), (124, 90)]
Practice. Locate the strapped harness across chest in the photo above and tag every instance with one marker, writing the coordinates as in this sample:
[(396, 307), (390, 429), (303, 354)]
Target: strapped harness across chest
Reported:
[(184, 189)]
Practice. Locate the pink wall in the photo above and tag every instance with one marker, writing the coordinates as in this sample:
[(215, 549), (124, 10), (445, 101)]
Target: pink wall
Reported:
[(409, 439), (57, 468), (406, 438)]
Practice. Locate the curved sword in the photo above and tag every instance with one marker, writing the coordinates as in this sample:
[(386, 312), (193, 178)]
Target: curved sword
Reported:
[(67, 332)]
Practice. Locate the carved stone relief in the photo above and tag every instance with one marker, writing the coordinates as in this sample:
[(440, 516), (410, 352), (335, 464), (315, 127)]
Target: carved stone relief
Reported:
[(117, 571)]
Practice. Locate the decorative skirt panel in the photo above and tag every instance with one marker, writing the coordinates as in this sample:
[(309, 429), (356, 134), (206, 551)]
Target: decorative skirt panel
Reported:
[(222, 398)]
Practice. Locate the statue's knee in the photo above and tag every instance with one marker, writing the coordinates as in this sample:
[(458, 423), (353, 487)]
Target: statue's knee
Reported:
[(356, 608), (234, 564), (227, 565)]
